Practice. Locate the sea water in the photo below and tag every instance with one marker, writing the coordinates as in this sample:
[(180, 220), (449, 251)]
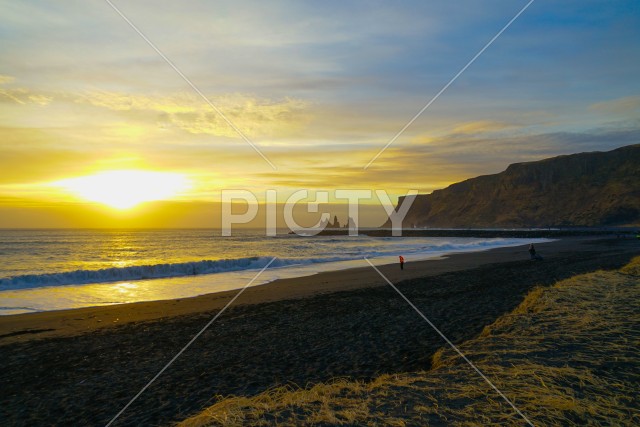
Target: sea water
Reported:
[(50, 269)]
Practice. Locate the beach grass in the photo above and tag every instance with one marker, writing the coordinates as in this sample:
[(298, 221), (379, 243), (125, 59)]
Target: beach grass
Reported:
[(567, 355)]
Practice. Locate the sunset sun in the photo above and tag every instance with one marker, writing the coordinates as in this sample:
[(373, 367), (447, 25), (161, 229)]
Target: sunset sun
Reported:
[(125, 188)]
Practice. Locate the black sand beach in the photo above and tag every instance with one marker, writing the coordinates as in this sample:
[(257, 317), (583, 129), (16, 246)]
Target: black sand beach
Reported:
[(297, 331)]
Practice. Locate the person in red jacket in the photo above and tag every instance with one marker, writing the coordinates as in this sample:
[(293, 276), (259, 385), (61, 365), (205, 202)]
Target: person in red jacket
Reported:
[(401, 262)]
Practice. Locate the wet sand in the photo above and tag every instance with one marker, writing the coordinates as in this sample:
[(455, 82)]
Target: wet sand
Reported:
[(301, 331)]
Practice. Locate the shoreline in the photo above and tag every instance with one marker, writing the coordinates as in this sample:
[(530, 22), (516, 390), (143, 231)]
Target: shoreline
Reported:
[(68, 322), (349, 324), (146, 284)]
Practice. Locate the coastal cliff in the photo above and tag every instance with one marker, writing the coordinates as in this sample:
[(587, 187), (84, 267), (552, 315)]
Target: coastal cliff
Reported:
[(585, 189)]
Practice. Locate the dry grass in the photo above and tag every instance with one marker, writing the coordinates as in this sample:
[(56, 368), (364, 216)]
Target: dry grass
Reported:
[(633, 268), (567, 355)]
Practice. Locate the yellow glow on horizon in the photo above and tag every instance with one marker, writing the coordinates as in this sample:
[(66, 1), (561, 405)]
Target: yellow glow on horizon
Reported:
[(125, 189)]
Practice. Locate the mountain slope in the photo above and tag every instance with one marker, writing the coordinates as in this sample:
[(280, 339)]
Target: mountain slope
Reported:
[(586, 189)]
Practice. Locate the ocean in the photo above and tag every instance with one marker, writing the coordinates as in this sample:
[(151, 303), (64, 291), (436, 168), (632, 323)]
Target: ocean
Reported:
[(56, 269)]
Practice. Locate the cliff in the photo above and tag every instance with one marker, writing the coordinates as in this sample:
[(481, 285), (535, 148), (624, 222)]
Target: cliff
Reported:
[(586, 189)]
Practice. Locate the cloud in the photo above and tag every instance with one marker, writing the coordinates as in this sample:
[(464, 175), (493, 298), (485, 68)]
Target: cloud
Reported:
[(6, 79), (626, 105), (255, 117), (24, 96), (481, 126)]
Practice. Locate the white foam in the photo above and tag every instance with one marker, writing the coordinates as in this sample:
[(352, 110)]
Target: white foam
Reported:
[(181, 280)]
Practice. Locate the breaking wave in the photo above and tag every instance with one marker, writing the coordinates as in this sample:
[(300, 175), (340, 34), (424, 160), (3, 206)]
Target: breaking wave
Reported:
[(156, 271)]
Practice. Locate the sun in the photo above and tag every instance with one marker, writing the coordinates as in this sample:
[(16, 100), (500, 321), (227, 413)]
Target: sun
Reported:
[(124, 189)]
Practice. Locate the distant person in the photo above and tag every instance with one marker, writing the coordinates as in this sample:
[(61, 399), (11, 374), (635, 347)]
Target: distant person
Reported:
[(534, 255), (401, 262)]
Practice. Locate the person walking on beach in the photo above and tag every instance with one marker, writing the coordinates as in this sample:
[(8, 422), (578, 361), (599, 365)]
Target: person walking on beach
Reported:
[(532, 252), (401, 262)]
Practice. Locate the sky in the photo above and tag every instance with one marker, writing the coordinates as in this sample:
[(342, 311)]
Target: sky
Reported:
[(317, 87)]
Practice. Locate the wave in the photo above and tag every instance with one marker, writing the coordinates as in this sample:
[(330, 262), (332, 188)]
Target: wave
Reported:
[(157, 271), (140, 272)]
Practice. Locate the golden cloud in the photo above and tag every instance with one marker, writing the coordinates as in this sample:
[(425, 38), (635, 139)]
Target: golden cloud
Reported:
[(24, 96), (255, 117), (4, 79), (480, 126)]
